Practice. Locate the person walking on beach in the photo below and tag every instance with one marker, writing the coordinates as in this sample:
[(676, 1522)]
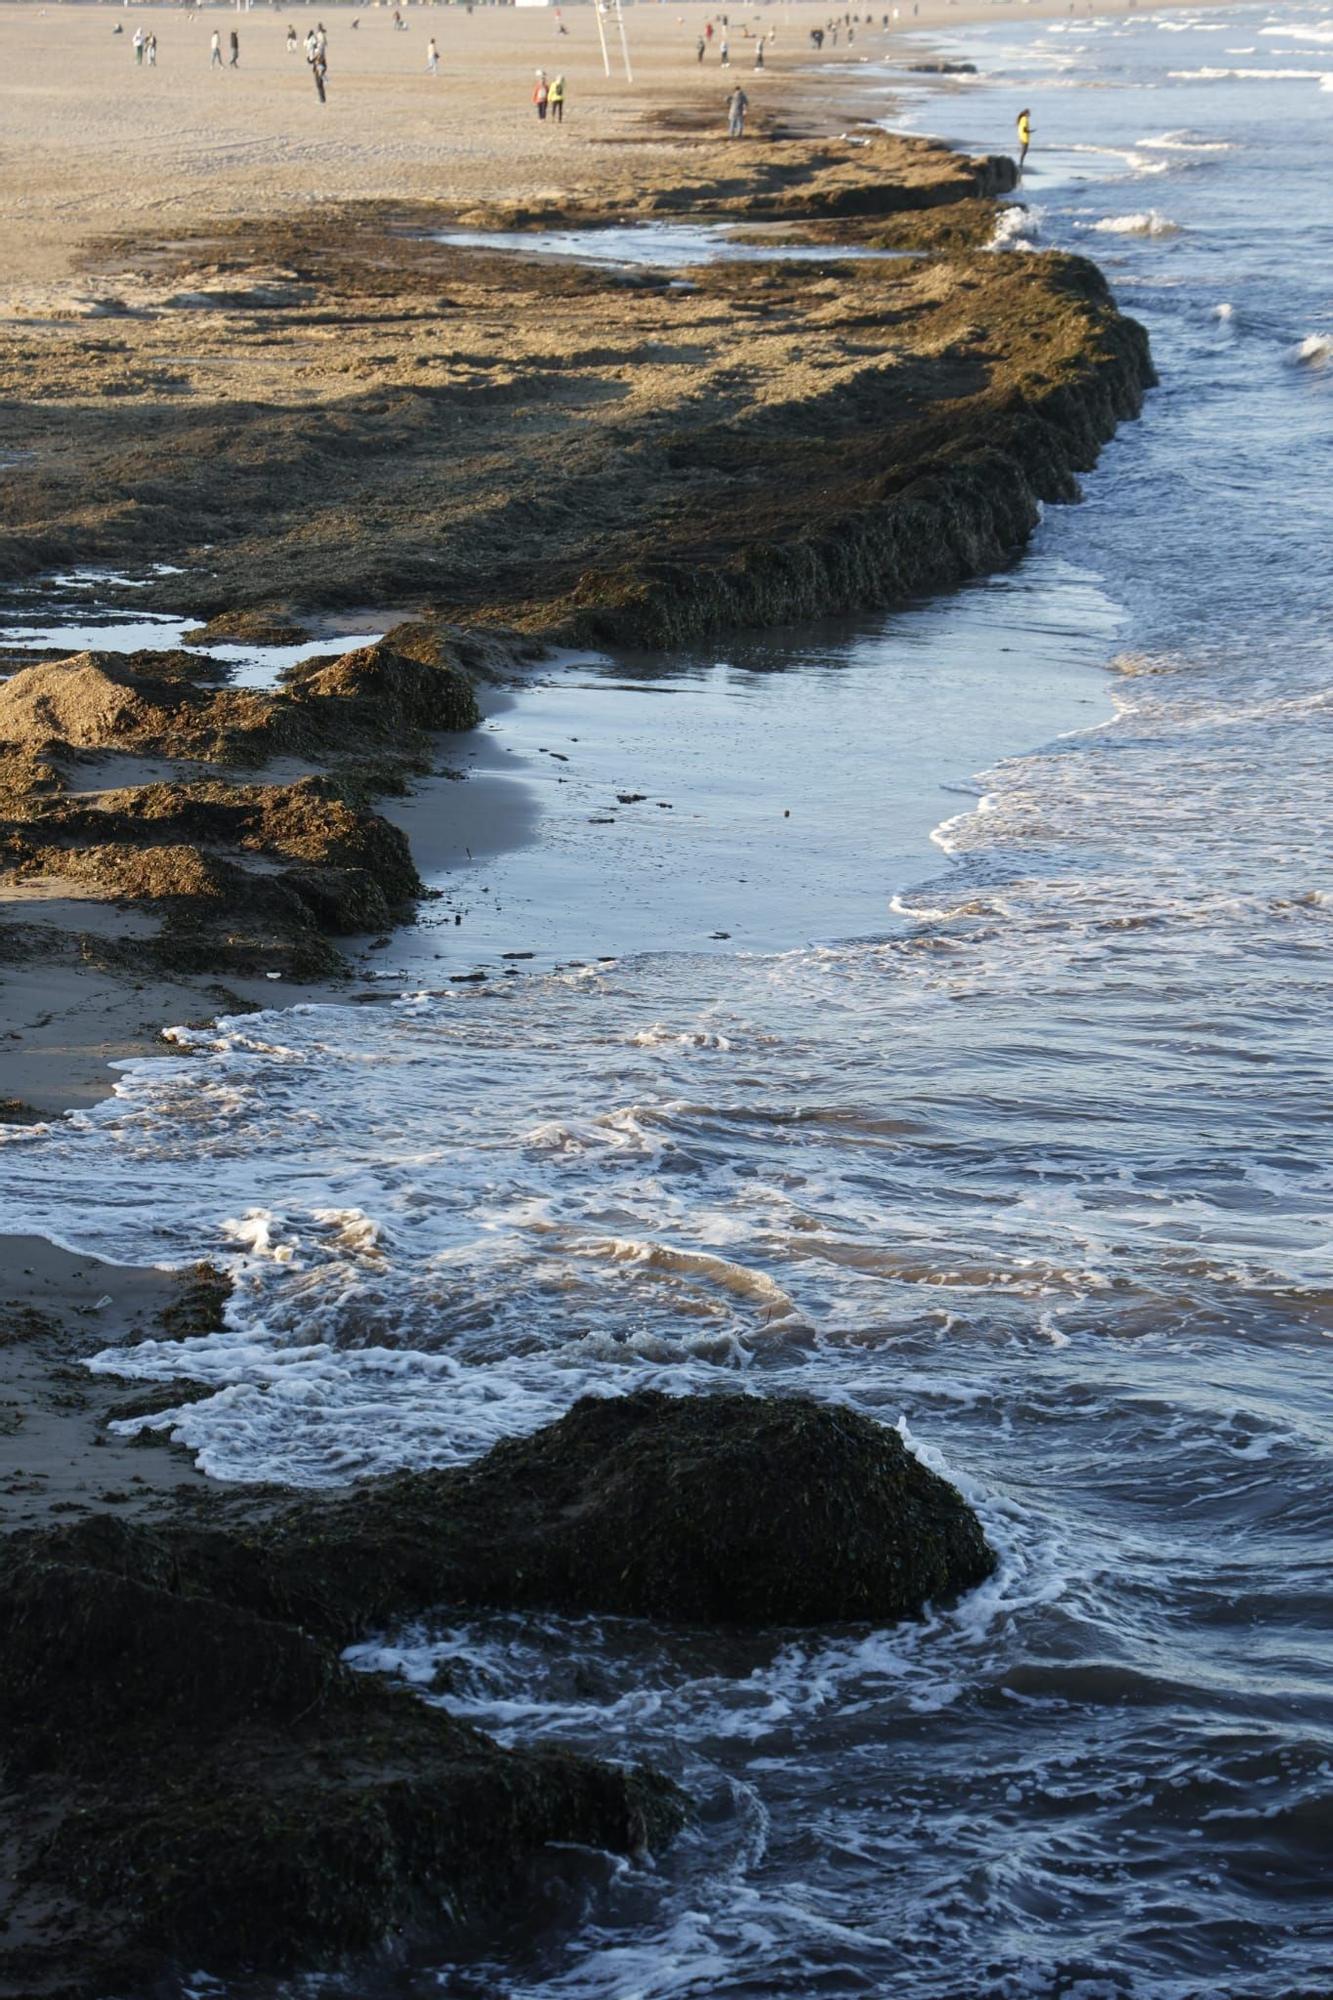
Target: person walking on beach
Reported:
[(737, 106), (317, 57), (291, 41), (150, 51), (433, 57), (235, 57), (215, 48), (759, 56), (700, 47), (724, 54), (1024, 136), (138, 46), (558, 100), (541, 94)]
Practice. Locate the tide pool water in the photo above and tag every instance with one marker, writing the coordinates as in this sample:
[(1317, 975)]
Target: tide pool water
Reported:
[(1017, 1136)]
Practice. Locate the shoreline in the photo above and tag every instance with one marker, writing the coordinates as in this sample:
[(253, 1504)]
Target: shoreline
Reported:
[(766, 443), (483, 135), (248, 821)]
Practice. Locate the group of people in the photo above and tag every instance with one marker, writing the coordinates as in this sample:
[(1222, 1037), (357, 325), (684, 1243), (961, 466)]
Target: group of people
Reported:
[(316, 54), (848, 24), (215, 51), (704, 42), (145, 48), (549, 96)]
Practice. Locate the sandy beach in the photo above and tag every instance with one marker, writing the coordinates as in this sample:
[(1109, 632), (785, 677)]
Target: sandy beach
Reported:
[(104, 147), (758, 1422), (245, 358)]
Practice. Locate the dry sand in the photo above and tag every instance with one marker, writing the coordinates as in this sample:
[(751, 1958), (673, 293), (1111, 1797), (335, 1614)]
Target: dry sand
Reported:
[(94, 144)]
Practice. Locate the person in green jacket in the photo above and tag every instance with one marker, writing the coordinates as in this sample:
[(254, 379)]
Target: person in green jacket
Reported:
[(557, 100)]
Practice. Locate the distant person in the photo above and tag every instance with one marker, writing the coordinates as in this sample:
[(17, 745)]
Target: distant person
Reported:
[(541, 94), (138, 45), (215, 51), (319, 67), (737, 106), (708, 31), (724, 54), (233, 60), (433, 56), (1024, 136), (558, 100), (119, 28), (560, 27), (759, 57), (700, 46), (291, 41), (150, 51)]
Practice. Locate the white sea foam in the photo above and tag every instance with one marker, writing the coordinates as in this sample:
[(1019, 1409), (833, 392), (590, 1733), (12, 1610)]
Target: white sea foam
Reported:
[(1224, 311), (1147, 222), (1315, 351), (1184, 142), (1015, 229), (1250, 75), (1305, 32)]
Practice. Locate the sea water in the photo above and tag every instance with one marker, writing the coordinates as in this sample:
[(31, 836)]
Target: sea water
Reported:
[(1025, 1150)]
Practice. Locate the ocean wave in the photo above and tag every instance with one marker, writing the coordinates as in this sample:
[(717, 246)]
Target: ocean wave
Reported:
[(1183, 141), (1315, 351), (1319, 76), (1147, 222), (1307, 32), (1014, 230)]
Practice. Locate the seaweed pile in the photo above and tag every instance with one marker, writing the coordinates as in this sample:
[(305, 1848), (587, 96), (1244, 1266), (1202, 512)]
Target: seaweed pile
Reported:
[(193, 1776), (247, 875)]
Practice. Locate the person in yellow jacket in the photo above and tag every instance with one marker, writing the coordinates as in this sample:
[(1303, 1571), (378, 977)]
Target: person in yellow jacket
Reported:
[(1024, 136), (557, 100)]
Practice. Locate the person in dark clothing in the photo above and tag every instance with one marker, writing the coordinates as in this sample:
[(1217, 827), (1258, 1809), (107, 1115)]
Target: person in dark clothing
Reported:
[(235, 50)]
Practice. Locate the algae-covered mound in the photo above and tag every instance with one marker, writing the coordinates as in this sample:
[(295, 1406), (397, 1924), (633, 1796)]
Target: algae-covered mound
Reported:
[(745, 1509), (736, 1509), (165, 704), (193, 1777), (156, 703), (188, 1783), (253, 876)]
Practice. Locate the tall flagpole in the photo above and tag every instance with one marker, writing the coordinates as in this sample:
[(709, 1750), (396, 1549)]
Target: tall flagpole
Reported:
[(598, 6)]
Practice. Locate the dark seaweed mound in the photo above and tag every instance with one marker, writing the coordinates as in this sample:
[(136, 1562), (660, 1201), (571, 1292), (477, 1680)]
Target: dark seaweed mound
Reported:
[(193, 1776)]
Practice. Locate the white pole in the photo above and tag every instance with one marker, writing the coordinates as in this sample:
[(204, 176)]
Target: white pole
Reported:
[(624, 44), (601, 34)]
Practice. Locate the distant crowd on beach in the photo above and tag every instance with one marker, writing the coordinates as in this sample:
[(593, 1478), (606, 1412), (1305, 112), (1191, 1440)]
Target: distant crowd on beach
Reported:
[(550, 93)]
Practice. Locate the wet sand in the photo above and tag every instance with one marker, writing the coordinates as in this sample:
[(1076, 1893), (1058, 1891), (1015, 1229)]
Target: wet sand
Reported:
[(59, 1456)]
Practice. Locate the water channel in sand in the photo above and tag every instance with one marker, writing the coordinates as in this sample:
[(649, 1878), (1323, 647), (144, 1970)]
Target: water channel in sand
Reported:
[(1020, 1140)]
